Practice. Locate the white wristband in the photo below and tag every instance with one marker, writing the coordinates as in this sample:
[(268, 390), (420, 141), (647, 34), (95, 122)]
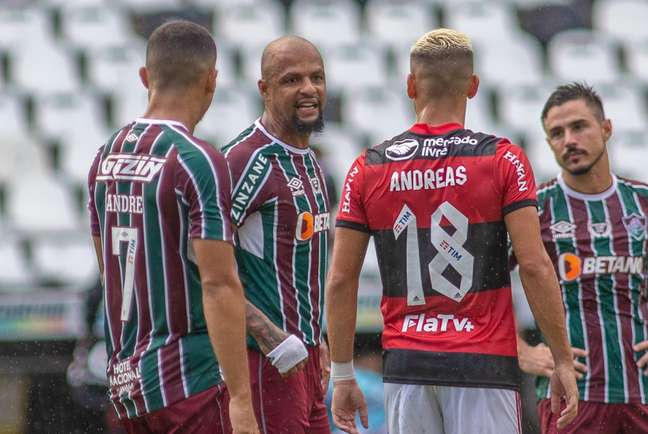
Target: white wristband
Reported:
[(288, 354), (342, 371)]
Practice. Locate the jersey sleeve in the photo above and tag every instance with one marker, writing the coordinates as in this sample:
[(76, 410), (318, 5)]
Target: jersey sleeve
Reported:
[(352, 212), (515, 178), (249, 174), (203, 182), (92, 209)]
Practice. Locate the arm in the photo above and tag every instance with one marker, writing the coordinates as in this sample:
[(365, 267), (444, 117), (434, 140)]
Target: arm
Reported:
[(341, 309), (97, 246), (538, 360), (543, 294), (290, 357), (224, 307)]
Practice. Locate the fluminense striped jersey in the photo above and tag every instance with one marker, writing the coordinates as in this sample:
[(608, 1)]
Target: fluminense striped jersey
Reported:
[(598, 244), (153, 187), (280, 206)]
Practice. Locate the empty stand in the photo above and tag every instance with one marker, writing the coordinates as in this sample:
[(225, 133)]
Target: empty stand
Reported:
[(95, 26), (622, 19), (324, 22), (398, 23)]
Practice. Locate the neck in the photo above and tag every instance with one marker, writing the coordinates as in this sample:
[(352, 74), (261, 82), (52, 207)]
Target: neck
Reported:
[(284, 131), (439, 112), (597, 180), (174, 107)]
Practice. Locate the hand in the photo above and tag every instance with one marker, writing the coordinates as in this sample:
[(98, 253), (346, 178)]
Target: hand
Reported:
[(563, 386), (539, 361), (325, 365), (289, 356), (347, 399), (642, 363), (242, 416)]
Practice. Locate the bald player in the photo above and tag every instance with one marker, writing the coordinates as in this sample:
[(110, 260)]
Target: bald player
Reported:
[(280, 207), (440, 201), (159, 207)]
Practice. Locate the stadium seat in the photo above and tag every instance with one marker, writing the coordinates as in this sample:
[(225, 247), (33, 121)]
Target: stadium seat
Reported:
[(326, 23), (540, 155), (380, 113), (250, 63), (583, 55), (479, 113), (95, 26), (339, 147), (42, 68), (509, 62), (15, 273), (39, 202), (629, 153), (233, 110), (128, 105), (398, 23), (357, 65), (19, 25), (520, 107), (151, 6), (62, 115), (637, 59), (115, 67), (482, 21), (624, 105), (624, 20), (255, 23), (65, 259)]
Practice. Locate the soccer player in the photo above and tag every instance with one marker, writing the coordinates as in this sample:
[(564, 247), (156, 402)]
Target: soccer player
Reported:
[(280, 206), (159, 205), (594, 229), (439, 201)]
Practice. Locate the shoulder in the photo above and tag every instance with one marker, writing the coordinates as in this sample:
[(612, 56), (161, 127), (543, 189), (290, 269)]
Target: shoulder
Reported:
[(545, 191), (193, 152), (639, 187)]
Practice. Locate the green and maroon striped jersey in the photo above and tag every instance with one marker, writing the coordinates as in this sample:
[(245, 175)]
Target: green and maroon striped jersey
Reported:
[(598, 245), (280, 206), (152, 188)]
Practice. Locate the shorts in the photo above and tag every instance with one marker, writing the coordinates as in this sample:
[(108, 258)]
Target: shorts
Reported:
[(422, 409), (203, 413), (597, 418), (293, 405)]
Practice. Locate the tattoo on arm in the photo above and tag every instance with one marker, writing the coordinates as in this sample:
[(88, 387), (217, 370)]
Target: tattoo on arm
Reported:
[(264, 331)]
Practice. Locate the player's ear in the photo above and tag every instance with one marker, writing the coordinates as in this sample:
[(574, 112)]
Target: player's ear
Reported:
[(211, 80), (473, 86), (411, 86), (262, 85), (606, 126), (143, 74)]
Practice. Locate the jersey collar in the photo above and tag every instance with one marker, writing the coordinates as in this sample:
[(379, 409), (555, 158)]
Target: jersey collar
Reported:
[(584, 196), (162, 122), (435, 130), (285, 145)]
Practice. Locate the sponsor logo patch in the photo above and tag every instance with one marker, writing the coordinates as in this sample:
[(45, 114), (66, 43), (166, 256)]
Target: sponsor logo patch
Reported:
[(296, 186), (402, 150), (309, 224), (427, 323), (129, 167), (571, 266), (599, 229)]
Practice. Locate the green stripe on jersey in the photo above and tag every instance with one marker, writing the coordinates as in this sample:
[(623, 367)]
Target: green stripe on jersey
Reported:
[(630, 203), (604, 286), (301, 254), (150, 374)]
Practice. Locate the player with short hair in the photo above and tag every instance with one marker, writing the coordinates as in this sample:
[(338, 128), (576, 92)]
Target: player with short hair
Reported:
[(280, 206), (439, 201), (159, 205), (594, 229)]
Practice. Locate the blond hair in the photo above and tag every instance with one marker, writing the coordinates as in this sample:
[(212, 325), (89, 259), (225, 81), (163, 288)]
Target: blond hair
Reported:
[(443, 60)]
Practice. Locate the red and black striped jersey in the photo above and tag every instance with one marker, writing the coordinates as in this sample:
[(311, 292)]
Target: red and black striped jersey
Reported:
[(434, 199)]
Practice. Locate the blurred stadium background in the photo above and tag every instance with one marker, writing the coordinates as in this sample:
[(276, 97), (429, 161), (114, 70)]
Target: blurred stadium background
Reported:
[(68, 76)]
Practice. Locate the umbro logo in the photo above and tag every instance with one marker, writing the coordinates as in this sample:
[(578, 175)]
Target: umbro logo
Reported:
[(296, 186), (562, 229)]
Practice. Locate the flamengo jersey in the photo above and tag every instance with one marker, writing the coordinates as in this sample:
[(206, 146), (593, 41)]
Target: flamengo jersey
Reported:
[(280, 206), (153, 187), (434, 199), (598, 244)]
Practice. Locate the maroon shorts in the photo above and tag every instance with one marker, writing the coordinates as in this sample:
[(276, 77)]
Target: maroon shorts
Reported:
[(203, 413), (293, 405), (597, 418)]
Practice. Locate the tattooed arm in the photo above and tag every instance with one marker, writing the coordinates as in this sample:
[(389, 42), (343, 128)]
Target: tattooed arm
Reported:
[(287, 353)]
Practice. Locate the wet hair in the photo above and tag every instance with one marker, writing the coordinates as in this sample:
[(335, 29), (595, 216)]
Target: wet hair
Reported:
[(443, 61), (574, 91), (178, 53)]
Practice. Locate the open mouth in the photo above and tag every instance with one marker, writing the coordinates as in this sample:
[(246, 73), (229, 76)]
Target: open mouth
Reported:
[(307, 108)]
